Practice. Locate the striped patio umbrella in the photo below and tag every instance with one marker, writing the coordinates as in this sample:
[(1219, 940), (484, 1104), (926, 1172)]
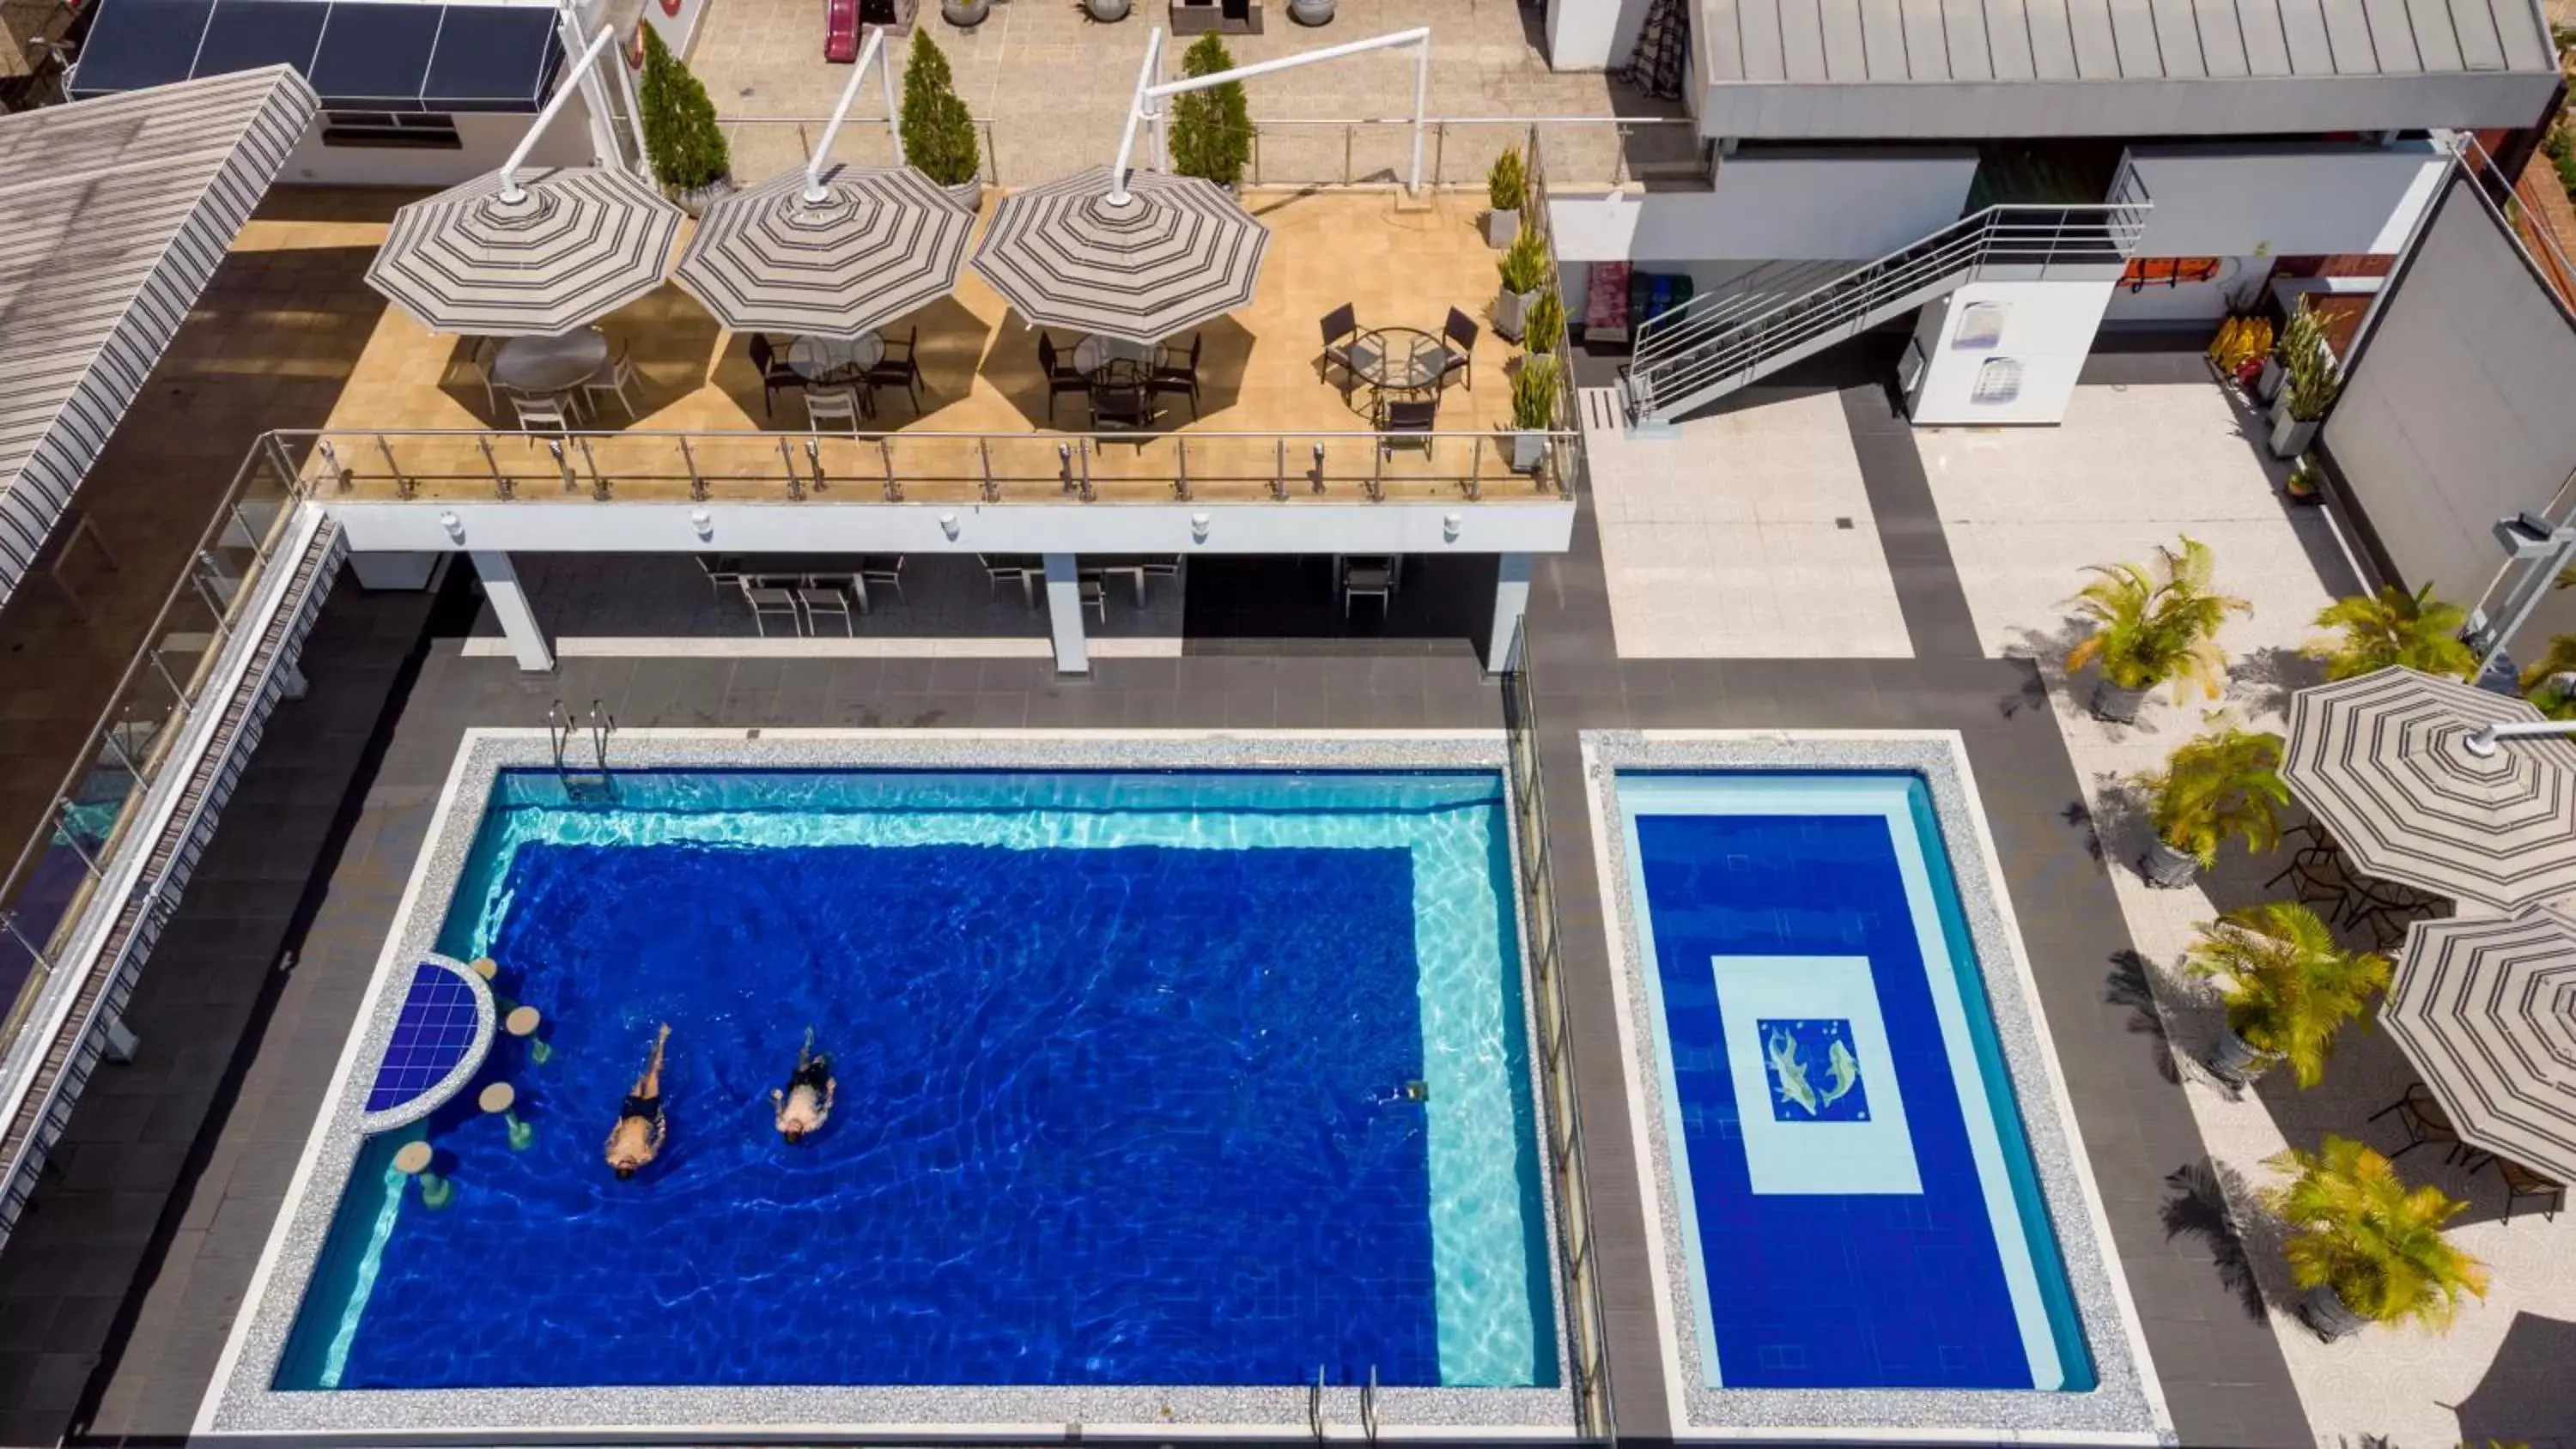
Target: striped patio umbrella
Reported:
[(2486, 1010), (883, 241), (1178, 253), (578, 242), (2382, 761)]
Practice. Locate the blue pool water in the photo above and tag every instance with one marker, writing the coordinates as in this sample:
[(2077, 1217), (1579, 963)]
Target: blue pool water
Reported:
[(1122, 1068), (1855, 1187)]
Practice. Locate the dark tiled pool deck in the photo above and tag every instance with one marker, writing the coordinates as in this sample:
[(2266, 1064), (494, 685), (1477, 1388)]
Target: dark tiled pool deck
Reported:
[(117, 1293)]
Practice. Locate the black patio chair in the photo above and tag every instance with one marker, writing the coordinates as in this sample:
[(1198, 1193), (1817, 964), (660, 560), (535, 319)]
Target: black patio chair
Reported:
[(1061, 376), (1399, 416), (1341, 327), (2521, 1182), (1182, 379), (1125, 408), (2421, 1114), (775, 375), (899, 367), (1458, 346)]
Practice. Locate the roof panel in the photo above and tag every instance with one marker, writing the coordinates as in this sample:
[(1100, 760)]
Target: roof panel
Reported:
[(1927, 45), (2436, 43), (2303, 30), (138, 43), (2097, 52), (1882, 30), (2348, 33), (2481, 48), (1802, 39), (2267, 45), (2052, 43), (2519, 28), (1723, 30), (375, 57), (248, 34), (2133, 32), (492, 58), (2177, 38), (1846, 59), (2222, 38), (2008, 39), (1758, 29), (1964, 21), (2392, 36)]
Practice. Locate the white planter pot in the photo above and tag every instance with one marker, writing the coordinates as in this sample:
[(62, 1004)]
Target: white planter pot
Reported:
[(968, 194), (1528, 451), (1106, 11), (1311, 12), (1501, 228), (2268, 386), (2235, 1061), (965, 14), (2291, 436), (2167, 868), (1511, 312), (696, 200)]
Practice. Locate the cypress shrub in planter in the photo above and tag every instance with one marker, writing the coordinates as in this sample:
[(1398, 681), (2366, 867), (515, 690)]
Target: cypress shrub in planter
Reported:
[(1506, 191), (1211, 133), (2153, 626), (681, 138), (938, 130), (2368, 1248)]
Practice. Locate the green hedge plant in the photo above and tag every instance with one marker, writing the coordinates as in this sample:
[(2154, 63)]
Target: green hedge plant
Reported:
[(1211, 130), (938, 130), (681, 137)]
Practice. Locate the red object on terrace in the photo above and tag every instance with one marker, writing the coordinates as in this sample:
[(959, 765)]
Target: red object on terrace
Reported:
[(841, 31)]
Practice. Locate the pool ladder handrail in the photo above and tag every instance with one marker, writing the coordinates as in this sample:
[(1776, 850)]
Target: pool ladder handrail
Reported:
[(558, 733), (1315, 1405), (1368, 1406), (602, 725)]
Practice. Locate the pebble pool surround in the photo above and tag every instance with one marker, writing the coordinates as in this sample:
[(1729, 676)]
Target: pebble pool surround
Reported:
[(1171, 1372), (2124, 1404)]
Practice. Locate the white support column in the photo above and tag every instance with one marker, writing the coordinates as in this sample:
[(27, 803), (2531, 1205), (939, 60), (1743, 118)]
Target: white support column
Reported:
[(510, 606), (121, 1043), (1064, 614), (291, 683), (1511, 602)]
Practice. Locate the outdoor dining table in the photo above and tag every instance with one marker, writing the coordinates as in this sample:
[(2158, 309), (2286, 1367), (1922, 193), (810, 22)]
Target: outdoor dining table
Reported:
[(1093, 355), (835, 359), (546, 365), (1399, 359)]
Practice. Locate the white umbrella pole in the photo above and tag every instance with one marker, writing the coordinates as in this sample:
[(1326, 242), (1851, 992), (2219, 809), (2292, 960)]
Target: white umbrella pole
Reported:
[(1135, 113), (2485, 742), (564, 91), (814, 192)]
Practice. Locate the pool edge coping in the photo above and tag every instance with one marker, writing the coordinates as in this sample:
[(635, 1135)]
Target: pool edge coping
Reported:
[(239, 1400), (2128, 1405)]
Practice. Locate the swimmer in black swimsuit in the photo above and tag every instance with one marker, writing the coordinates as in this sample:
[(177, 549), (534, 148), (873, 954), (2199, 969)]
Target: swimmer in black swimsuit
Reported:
[(807, 1099), (637, 1137)]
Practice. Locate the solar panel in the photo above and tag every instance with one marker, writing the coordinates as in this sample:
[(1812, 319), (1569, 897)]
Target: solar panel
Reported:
[(491, 58), (374, 57), (359, 56), (248, 34), (433, 1034), (138, 43)]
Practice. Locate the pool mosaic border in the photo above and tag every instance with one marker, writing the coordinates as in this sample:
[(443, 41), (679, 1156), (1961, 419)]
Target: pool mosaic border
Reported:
[(2128, 1406), (241, 1401)]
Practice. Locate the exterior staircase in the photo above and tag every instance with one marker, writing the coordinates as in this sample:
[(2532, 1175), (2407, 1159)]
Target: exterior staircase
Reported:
[(1721, 341)]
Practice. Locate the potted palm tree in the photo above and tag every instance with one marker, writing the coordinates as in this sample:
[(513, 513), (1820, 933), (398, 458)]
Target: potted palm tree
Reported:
[(2368, 1248), (1524, 271), (1506, 188), (2288, 985), (2374, 631), (2224, 785), (938, 130), (2152, 625), (681, 138), (2312, 380), (1533, 410), (2550, 683)]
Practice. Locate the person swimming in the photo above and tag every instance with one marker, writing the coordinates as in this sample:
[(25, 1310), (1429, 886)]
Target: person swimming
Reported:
[(637, 1137), (806, 1100)]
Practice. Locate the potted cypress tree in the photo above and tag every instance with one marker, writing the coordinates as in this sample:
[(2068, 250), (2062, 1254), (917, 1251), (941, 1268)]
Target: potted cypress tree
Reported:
[(1506, 191), (938, 130), (1533, 410), (1524, 272), (2368, 1248), (2152, 626), (2289, 987), (2374, 631), (1211, 132), (2223, 785), (686, 147)]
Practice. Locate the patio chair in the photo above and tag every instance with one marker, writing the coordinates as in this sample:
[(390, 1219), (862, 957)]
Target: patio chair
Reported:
[(775, 375), (832, 407), (1061, 376), (2421, 1114), (1008, 569), (1458, 344), (2521, 1182), (480, 357), (540, 413), (1121, 409), (819, 599), (1367, 578), (898, 368), (1093, 592), (1399, 416), (769, 600), (1341, 327), (723, 571), (880, 572), (614, 377), (1181, 379)]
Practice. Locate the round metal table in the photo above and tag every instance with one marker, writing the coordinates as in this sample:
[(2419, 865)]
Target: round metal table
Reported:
[(1399, 359), (550, 364), (1094, 353), (835, 359)]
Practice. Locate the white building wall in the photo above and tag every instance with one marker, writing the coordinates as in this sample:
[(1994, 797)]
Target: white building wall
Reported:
[(1592, 34), (487, 138), (2276, 201), (1846, 206), (2039, 337)]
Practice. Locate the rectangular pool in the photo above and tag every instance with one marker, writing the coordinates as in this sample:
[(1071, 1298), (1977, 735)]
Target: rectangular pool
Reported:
[(1143, 1079)]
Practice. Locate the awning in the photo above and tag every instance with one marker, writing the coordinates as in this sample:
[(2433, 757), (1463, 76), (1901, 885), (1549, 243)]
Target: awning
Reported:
[(882, 242), (1178, 253), (114, 213), (2486, 1010), (577, 243)]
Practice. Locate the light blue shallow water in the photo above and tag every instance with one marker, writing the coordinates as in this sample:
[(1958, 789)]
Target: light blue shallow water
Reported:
[(1199, 962)]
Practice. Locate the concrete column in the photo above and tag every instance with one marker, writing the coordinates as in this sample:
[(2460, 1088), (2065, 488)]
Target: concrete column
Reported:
[(122, 1043), (1511, 603), (510, 606), (397, 571), (1064, 614), (291, 683)]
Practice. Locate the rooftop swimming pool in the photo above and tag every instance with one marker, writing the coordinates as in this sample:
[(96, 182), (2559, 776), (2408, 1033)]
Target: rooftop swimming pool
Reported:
[(1857, 1228), (1148, 1084)]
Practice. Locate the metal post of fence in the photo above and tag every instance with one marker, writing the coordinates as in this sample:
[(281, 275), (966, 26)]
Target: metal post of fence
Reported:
[(1256, 155), (1440, 154), (500, 480), (1348, 133), (1279, 469), (63, 812), (197, 576), (563, 465), (984, 457), (1084, 453), (9, 922), (599, 487), (241, 520), (697, 481), (1476, 470), (795, 480), (885, 456), (1181, 454), (163, 670), (403, 487), (814, 457)]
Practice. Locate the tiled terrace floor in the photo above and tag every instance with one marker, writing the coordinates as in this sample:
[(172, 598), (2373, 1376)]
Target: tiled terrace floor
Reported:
[(1399, 266)]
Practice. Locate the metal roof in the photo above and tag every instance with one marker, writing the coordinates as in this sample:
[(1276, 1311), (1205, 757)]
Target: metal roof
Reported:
[(1996, 68), (113, 215)]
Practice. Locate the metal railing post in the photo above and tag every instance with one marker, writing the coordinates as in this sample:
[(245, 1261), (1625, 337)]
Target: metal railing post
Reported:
[(697, 481), (403, 487), (984, 457), (1181, 468), (814, 460)]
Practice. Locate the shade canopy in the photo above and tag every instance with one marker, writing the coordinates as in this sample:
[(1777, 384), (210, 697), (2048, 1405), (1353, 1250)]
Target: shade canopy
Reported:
[(882, 242), (2486, 1010), (1178, 252), (578, 242), (2382, 761)]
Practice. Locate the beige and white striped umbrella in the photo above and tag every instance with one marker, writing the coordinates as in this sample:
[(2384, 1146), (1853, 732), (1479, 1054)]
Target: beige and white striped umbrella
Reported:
[(1178, 252), (2383, 762), (2486, 1010), (576, 243), (883, 241)]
